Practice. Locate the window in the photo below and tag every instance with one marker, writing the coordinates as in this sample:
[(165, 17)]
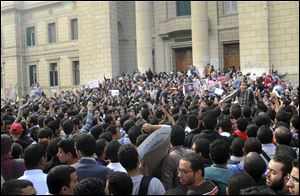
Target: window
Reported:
[(76, 73), (30, 36), (32, 75), (51, 33), (74, 29), (2, 76), (53, 74), (229, 7), (183, 8)]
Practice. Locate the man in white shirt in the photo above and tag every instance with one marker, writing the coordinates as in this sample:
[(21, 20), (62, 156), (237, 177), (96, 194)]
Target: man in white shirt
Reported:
[(35, 160), (111, 152)]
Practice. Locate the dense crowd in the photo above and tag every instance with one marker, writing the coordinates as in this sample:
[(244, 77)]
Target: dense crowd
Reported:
[(229, 133)]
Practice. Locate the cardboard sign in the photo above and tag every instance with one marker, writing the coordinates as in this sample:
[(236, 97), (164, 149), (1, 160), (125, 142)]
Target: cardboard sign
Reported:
[(155, 148)]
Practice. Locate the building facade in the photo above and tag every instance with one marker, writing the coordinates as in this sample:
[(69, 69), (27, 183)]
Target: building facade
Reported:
[(64, 45)]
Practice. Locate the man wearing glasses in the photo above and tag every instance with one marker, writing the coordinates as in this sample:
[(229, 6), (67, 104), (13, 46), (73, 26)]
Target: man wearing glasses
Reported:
[(191, 175), (293, 183)]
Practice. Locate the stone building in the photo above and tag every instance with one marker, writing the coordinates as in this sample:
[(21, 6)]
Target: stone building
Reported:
[(63, 45)]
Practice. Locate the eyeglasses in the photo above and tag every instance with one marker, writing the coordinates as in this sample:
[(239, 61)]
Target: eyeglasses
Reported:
[(293, 179), (183, 171)]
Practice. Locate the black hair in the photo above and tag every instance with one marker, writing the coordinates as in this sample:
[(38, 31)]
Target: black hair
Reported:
[(33, 155), (252, 145), (96, 131), (128, 157), (255, 165), (68, 126), (58, 177), (283, 135), (286, 160), (238, 181), (106, 135), (89, 186), (237, 146), (225, 124), (133, 133), (196, 160), (100, 146), (15, 186), (119, 183), (6, 143), (265, 134), (242, 124), (202, 146), (177, 135), (111, 151), (251, 130), (86, 143), (257, 190), (67, 146), (192, 122), (219, 151)]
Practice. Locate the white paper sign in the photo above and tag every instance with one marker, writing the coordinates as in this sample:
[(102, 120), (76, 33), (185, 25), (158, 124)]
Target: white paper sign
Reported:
[(219, 91), (114, 92), (93, 84)]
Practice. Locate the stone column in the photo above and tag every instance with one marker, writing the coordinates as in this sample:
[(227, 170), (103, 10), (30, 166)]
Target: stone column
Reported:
[(200, 36), (143, 36)]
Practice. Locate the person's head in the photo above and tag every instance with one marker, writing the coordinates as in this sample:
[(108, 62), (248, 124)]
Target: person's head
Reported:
[(128, 157), (192, 122), (68, 127), (265, 134), (254, 165), (111, 151), (244, 86), (133, 133), (252, 145), (32, 120), (285, 149), (242, 124), (225, 125), (16, 130), (283, 116), (89, 186), (210, 121), (18, 187), (277, 173), (62, 180), (201, 145), (294, 122), (6, 143), (127, 124), (236, 147), (238, 181), (35, 157), (293, 183), (85, 145), (246, 111), (115, 131), (262, 119), (219, 151), (100, 146), (45, 133), (17, 151), (141, 138), (106, 135), (251, 130), (177, 135), (257, 190), (191, 169), (282, 135), (66, 151), (118, 183)]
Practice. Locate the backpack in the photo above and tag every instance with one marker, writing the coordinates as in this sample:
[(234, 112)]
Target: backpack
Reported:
[(144, 185)]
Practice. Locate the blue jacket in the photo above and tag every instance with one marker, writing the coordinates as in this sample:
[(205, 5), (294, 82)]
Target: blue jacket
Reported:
[(87, 167)]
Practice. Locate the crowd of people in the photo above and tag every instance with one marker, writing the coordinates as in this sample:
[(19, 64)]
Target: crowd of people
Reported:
[(229, 133)]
